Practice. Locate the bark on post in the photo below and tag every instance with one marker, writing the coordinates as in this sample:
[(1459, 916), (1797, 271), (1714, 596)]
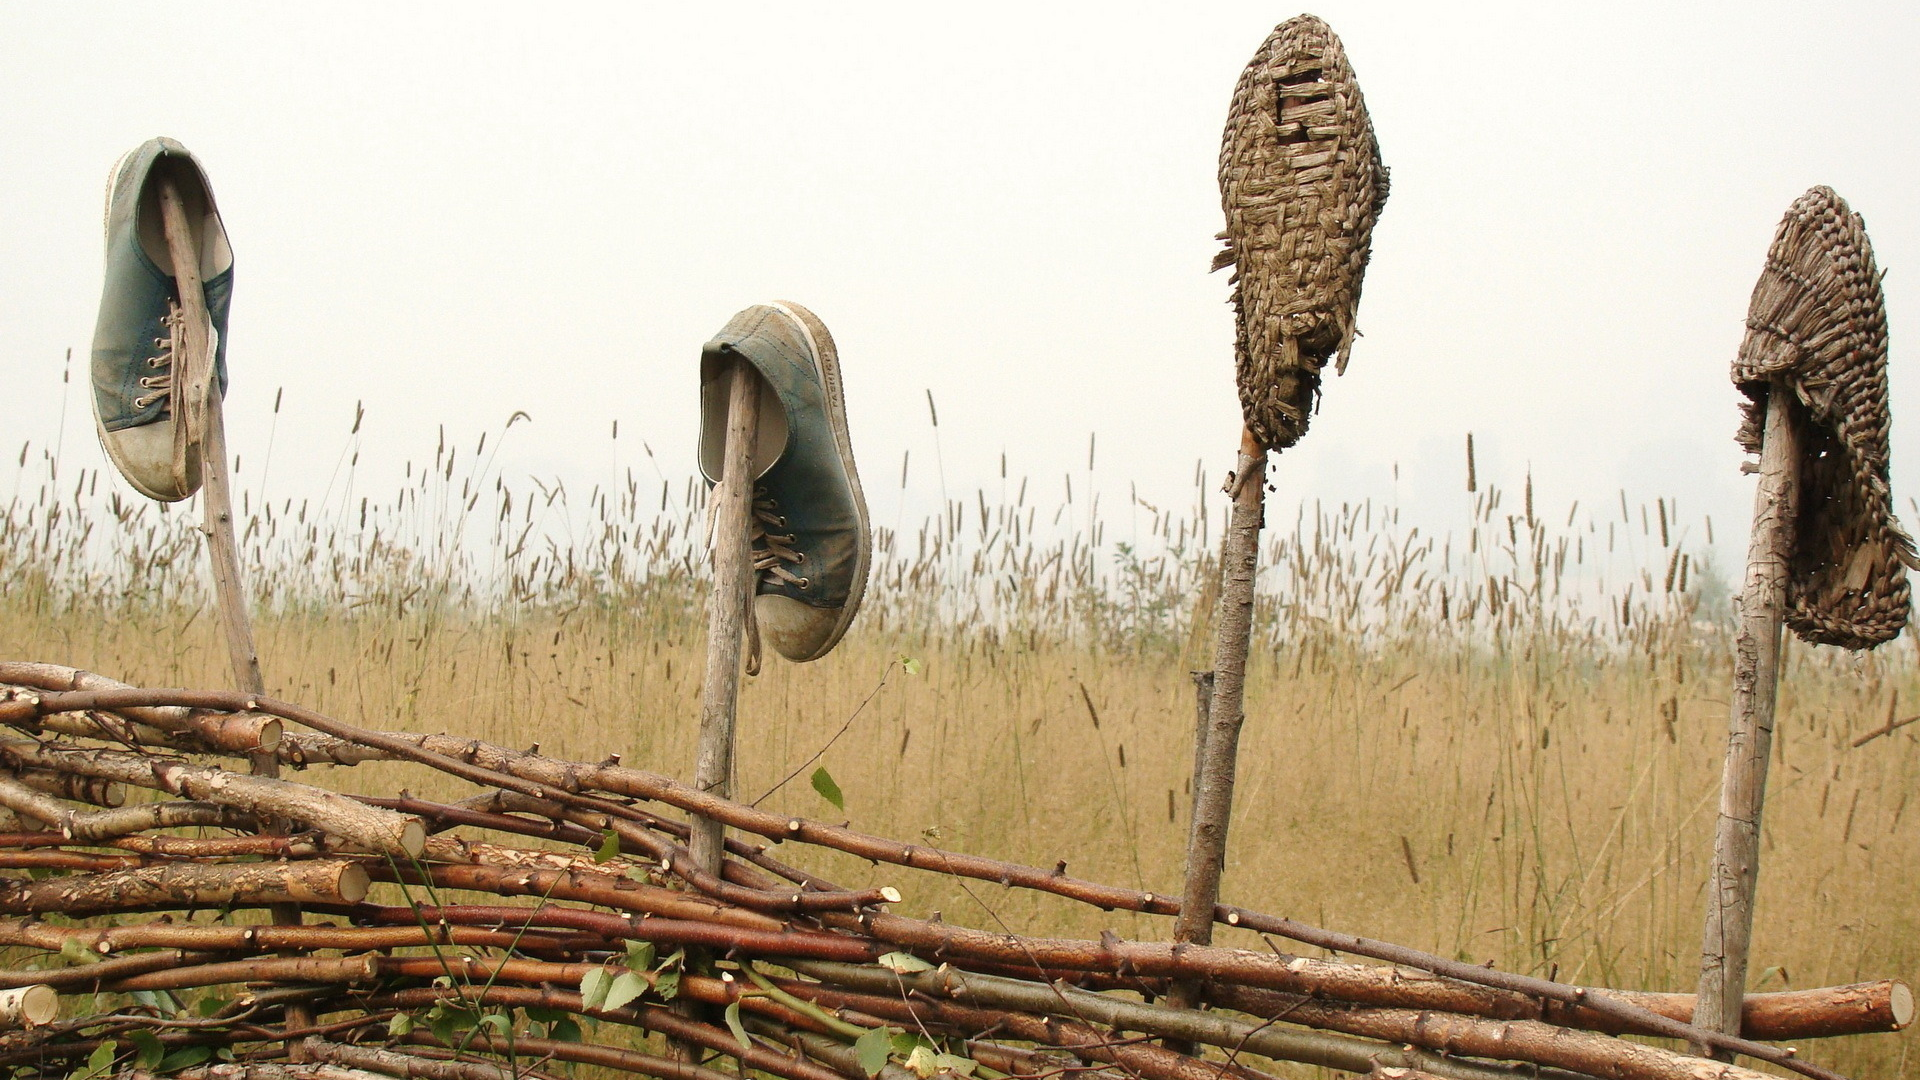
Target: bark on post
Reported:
[(1202, 704), (731, 592), (217, 498), (1756, 671), (727, 608), (1233, 633), (1186, 994)]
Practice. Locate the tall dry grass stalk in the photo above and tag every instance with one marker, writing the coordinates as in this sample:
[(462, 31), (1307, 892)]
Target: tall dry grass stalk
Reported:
[(1500, 744)]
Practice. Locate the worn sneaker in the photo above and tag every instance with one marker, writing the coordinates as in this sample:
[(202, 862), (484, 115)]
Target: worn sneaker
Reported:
[(811, 544), (140, 329)]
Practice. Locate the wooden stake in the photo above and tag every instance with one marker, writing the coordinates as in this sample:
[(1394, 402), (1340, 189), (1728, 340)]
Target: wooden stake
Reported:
[(1186, 993), (727, 607), (1233, 634), (732, 591), (217, 502), (197, 398), (1756, 675), (1202, 705)]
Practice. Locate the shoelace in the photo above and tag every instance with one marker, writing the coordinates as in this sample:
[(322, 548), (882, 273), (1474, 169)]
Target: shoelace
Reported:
[(771, 553), (168, 347), (176, 372)]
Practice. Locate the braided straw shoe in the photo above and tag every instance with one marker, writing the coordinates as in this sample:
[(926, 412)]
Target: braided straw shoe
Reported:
[(1818, 320), (1302, 184)]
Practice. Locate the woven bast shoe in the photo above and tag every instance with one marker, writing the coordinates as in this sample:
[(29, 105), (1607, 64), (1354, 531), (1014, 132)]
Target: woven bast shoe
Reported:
[(1817, 321), (1302, 184), (140, 331), (811, 543)]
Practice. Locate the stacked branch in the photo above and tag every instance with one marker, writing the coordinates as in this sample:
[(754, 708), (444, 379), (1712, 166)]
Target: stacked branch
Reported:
[(479, 938)]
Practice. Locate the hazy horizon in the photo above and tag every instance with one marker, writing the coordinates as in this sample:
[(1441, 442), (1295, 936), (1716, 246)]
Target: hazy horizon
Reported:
[(451, 213)]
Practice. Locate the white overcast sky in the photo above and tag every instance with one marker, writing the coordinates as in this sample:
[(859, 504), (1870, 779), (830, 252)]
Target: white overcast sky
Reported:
[(451, 212)]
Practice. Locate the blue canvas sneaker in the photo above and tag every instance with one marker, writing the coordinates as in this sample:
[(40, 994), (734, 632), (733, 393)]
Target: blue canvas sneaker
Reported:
[(811, 544), (140, 329)]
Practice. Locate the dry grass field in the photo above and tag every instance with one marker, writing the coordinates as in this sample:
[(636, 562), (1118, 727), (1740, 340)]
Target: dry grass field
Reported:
[(1501, 744)]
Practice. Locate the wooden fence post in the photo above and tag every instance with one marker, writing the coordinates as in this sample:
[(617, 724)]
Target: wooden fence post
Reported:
[(196, 358), (1219, 751), (1756, 674), (732, 591)]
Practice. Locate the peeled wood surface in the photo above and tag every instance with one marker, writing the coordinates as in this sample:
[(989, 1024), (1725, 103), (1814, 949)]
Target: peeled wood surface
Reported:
[(1733, 879), (1863, 1008), (187, 885), (367, 828), (28, 1006), (231, 732), (119, 822)]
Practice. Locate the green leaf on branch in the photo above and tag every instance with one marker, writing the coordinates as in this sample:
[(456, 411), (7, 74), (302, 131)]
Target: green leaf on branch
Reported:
[(594, 986), (922, 1062), (184, 1058), (99, 1063), (830, 791), (158, 1000), (639, 955), (545, 1016), (954, 1063), (667, 984), (564, 1031), (147, 1050), (906, 1042), (874, 1048), (734, 1025), (903, 963), (609, 847), (629, 985), (500, 1022)]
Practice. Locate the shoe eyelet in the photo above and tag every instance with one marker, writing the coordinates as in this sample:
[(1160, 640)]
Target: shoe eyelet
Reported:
[(806, 583)]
